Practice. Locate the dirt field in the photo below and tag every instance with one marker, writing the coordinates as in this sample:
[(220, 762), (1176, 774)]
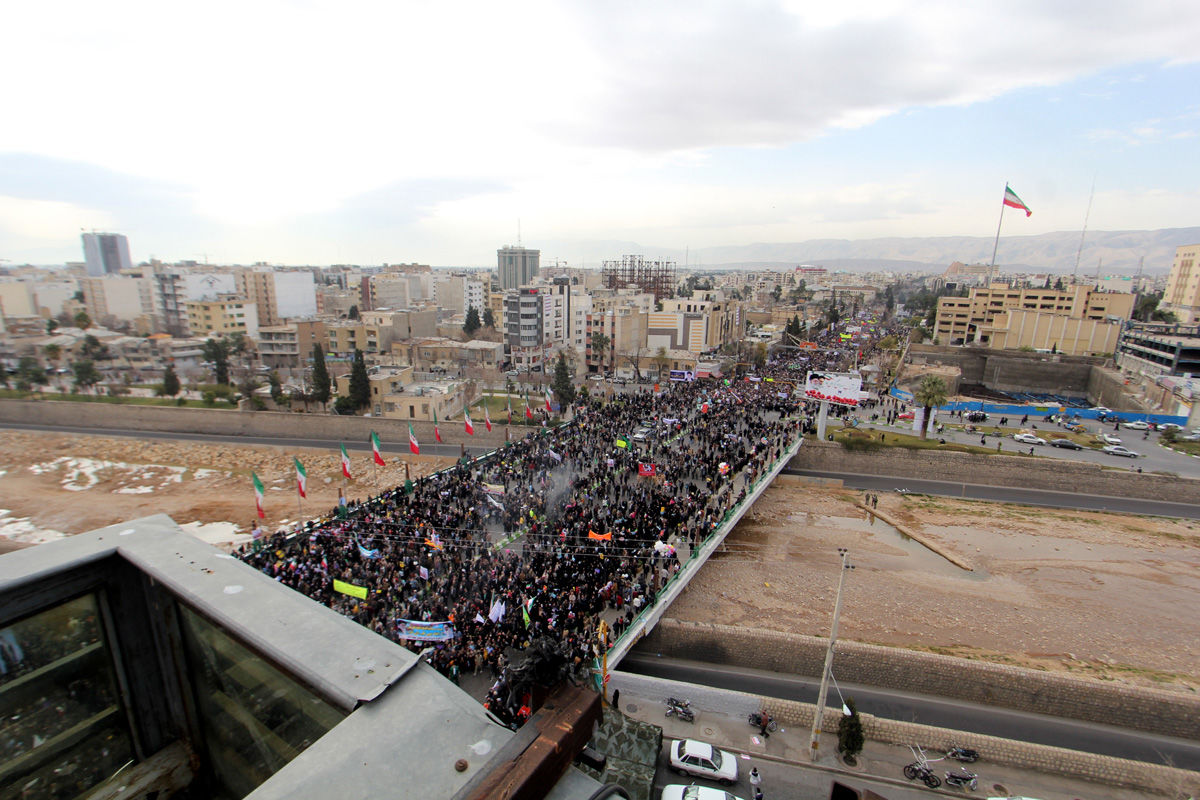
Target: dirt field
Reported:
[(1106, 595)]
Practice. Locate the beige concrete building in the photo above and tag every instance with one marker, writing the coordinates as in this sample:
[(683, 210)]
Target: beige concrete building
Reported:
[(289, 345), (989, 317), (1182, 297), (396, 395), (222, 317)]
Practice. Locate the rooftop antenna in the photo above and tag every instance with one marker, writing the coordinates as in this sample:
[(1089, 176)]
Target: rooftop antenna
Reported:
[(518, 231), (1083, 233), (1099, 261), (1137, 279)]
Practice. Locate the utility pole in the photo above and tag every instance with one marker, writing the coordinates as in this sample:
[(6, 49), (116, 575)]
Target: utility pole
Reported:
[(815, 741)]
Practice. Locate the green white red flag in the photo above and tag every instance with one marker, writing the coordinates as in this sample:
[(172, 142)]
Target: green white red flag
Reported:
[(301, 478), (437, 432), (487, 420), (258, 495), (346, 463), (375, 450), (1012, 201), (413, 444), (467, 423)]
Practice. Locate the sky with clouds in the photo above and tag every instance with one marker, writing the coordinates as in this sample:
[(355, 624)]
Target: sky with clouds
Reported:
[(314, 132)]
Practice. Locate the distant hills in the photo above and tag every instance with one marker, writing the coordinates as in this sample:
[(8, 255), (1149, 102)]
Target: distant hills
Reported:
[(1117, 252)]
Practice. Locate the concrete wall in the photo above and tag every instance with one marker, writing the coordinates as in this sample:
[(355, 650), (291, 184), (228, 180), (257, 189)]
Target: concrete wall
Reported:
[(1012, 371), (392, 433), (1161, 712), (1107, 388), (1027, 473)]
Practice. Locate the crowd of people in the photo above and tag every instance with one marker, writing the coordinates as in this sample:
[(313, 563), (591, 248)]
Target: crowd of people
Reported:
[(548, 535)]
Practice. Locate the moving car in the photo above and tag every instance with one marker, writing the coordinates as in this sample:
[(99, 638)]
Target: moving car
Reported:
[(702, 760), (1028, 438), (1108, 438), (1066, 443), (1118, 450), (678, 791), (1137, 425)]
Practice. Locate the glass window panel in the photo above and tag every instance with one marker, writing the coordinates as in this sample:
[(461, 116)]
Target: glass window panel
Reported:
[(63, 729), (254, 718)]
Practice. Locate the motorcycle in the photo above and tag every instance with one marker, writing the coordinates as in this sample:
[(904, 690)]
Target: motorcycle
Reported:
[(961, 778), (681, 709), (921, 769), (756, 720), (963, 754)]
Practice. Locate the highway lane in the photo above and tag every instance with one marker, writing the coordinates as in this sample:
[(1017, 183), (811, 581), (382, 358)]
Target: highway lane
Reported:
[(1009, 494), (940, 712)]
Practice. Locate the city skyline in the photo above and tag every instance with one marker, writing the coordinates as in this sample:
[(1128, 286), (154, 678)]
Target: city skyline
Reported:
[(314, 133)]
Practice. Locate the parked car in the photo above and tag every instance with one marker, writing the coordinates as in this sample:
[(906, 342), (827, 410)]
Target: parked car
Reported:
[(906, 415), (1137, 425), (641, 434), (976, 416), (1118, 450), (1169, 426), (1191, 437), (1028, 438), (1108, 438), (1066, 444), (702, 760), (595, 378), (677, 791)]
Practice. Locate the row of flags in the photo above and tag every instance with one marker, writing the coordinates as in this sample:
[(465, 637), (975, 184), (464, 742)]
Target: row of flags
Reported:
[(302, 473)]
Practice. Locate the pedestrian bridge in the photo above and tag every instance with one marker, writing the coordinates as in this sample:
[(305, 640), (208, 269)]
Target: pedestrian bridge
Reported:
[(645, 622)]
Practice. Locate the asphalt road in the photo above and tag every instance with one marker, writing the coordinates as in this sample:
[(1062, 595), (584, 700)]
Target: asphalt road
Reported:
[(940, 712), (1008, 494)]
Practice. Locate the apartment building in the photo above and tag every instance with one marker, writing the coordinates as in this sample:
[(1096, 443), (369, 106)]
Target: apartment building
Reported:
[(1182, 296), (222, 317), (289, 346)]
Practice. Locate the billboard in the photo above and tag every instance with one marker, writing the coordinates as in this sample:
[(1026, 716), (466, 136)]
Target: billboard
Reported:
[(840, 388)]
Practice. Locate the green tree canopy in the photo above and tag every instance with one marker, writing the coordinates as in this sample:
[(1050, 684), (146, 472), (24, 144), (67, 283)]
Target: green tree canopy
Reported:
[(489, 319), (472, 323), (600, 345), (930, 393), (562, 385), (86, 374), (216, 351), (360, 384), (850, 731), (277, 395), (51, 326), (320, 377), (170, 383), (82, 320)]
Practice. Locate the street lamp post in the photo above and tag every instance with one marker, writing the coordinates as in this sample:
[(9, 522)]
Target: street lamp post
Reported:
[(815, 740)]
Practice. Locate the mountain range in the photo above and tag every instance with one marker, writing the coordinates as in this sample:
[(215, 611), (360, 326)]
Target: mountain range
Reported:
[(1107, 252)]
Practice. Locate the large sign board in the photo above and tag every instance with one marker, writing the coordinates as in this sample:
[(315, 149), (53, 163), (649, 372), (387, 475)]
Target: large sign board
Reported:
[(839, 388)]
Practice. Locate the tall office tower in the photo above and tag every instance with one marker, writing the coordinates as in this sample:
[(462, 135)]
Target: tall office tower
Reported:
[(105, 253), (516, 266)]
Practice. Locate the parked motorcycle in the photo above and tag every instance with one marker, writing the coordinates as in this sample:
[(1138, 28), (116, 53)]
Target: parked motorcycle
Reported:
[(681, 709), (924, 772), (756, 720), (960, 778), (964, 754)]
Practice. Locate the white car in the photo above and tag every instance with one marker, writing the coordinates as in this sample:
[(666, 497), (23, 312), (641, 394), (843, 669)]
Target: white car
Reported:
[(1028, 438), (1117, 450), (595, 377), (677, 791), (1137, 425), (702, 760), (1108, 438)]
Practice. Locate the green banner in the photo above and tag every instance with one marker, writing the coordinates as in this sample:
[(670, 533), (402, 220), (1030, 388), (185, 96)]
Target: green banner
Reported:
[(349, 588)]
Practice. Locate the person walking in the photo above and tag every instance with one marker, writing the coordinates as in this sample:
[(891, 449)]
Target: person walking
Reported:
[(755, 777), (617, 699)]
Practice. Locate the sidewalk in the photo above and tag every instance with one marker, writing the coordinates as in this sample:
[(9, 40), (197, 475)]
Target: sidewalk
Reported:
[(721, 719)]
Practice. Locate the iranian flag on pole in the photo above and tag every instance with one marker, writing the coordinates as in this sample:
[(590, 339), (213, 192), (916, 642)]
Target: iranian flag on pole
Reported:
[(1012, 201), (346, 463), (467, 423), (510, 409), (258, 495), (375, 450), (301, 478), (487, 419), (548, 408), (437, 432), (528, 410), (413, 444)]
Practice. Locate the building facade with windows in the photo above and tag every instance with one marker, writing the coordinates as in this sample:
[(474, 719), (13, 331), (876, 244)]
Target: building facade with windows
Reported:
[(517, 266), (1182, 296)]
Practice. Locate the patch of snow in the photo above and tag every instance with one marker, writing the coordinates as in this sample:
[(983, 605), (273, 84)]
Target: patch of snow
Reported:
[(3, 472), (134, 490), (20, 529), (201, 474), (216, 533)]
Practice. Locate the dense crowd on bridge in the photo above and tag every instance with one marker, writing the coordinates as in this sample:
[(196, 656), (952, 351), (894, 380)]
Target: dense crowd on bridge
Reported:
[(588, 532)]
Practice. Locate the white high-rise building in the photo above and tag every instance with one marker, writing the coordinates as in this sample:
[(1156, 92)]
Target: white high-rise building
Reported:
[(105, 253), (517, 266)]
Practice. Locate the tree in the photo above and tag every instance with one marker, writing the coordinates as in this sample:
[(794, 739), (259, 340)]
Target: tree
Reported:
[(1058, 284), (600, 344), (930, 393), (850, 732), (889, 301), (216, 351), (82, 320), (277, 395), (248, 386), (563, 386), (53, 353), (360, 384), (758, 357), (661, 360), (86, 374), (353, 312), (92, 349), (489, 319), (51, 326), (320, 377), (170, 383), (30, 373), (472, 324), (777, 293), (832, 315)]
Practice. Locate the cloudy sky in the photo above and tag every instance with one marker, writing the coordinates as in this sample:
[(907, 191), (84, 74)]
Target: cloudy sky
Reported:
[(361, 132)]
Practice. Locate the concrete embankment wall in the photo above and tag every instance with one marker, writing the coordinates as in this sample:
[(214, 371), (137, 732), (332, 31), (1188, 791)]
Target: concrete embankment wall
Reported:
[(1000, 470), (1161, 712), (329, 427), (1012, 371)]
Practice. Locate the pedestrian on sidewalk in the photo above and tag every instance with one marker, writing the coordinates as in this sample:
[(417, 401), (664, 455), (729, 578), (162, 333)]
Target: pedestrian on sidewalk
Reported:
[(758, 795), (617, 699), (755, 777)]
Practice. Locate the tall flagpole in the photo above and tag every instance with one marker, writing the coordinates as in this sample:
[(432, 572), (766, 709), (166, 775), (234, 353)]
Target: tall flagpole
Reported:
[(996, 246)]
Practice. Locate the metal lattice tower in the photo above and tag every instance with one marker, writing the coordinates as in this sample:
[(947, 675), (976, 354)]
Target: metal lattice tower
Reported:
[(657, 277)]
